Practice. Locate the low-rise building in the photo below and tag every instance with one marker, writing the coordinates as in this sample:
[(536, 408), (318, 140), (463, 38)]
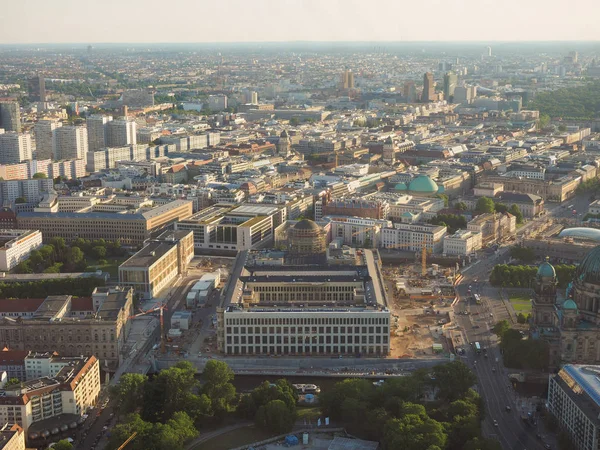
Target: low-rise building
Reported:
[(12, 437), (156, 265), (131, 228), (356, 231), (13, 363), (65, 396), (412, 237), (574, 399), (72, 326), (463, 243), (16, 245), (229, 229), (493, 227)]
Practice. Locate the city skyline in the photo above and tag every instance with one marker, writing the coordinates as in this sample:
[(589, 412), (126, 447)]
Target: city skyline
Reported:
[(331, 21)]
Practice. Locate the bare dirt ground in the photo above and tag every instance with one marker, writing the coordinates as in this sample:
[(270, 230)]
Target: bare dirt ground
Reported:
[(411, 334)]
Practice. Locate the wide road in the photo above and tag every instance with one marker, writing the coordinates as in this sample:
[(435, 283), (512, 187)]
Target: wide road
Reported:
[(476, 326)]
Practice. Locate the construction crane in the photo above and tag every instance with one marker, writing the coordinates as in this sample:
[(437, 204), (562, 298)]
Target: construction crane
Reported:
[(129, 439), (160, 310)]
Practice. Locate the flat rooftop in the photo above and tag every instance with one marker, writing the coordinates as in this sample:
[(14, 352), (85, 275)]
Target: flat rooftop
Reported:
[(51, 306), (587, 377), (148, 255)]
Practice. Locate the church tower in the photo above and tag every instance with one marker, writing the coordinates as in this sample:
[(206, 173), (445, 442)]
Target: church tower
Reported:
[(283, 145), (388, 151), (544, 296)]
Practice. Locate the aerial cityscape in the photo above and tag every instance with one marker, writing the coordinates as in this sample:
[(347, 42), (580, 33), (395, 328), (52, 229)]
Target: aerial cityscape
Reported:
[(318, 240)]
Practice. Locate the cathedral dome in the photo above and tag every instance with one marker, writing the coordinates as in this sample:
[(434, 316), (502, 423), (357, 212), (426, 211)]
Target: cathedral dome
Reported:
[(569, 304), (546, 270), (424, 185), (589, 269)]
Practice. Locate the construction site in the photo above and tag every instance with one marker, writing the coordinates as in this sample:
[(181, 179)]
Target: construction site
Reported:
[(420, 297)]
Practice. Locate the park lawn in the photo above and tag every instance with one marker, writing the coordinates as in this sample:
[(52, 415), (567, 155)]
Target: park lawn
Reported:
[(111, 266), (235, 438), (520, 303)]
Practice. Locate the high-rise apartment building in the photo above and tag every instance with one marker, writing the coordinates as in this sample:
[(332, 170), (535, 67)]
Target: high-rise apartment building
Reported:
[(45, 138), (71, 142), (347, 80), (465, 94), (10, 117), (14, 147), (428, 89), (121, 132), (410, 91), (450, 81), (217, 102), (97, 131), (37, 88)]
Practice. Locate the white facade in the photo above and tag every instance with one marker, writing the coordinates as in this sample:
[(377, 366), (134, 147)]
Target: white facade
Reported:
[(71, 143), (306, 332), (18, 244), (356, 231), (15, 147), (463, 243), (121, 133), (45, 138), (97, 131), (410, 237), (573, 398)]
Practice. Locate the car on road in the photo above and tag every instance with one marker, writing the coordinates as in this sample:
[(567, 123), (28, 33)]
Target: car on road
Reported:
[(547, 446), (476, 327), (508, 408), (495, 423)]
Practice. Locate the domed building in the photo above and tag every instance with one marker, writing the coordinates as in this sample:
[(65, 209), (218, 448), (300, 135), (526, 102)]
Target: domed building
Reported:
[(421, 186), (307, 238), (571, 327)]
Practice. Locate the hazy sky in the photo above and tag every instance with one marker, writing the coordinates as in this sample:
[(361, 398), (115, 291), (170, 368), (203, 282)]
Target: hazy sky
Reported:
[(41, 21)]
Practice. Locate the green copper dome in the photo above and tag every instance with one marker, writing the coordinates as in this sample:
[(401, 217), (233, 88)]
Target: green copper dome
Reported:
[(569, 304), (400, 187), (546, 270), (423, 184), (589, 269)]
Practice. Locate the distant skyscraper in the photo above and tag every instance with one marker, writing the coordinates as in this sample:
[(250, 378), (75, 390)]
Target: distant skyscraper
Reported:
[(45, 138), (347, 80), (410, 91), (450, 81), (15, 147), (37, 89), (428, 89), (71, 142), (10, 116), (97, 131), (121, 133), (488, 51)]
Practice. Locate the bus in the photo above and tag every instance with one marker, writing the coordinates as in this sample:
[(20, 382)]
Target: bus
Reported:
[(477, 299), (477, 347)]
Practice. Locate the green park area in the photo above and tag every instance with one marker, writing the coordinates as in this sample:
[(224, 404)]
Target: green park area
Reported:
[(521, 303)]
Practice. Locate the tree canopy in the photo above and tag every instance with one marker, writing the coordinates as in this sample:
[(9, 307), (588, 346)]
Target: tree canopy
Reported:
[(572, 102), (63, 445), (485, 205)]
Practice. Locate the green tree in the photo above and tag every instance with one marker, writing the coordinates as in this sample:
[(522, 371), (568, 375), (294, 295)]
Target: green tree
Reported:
[(525, 254), (515, 211), (63, 445), (453, 379), (175, 384), (500, 208), (19, 200), (39, 176), (74, 259), (543, 121), (522, 318), (485, 205), (414, 432), (275, 417), (294, 121), (461, 206), (500, 328), (482, 444), (99, 251), (331, 400), (443, 197), (217, 386), (127, 395)]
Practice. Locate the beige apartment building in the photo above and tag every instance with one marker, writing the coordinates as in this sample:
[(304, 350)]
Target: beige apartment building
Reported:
[(12, 437), (156, 265), (131, 229), (42, 404)]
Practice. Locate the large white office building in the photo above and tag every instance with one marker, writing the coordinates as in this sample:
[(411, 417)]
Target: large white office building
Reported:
[(16, 245), (274, 307), (574, 399), (411, 237)]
